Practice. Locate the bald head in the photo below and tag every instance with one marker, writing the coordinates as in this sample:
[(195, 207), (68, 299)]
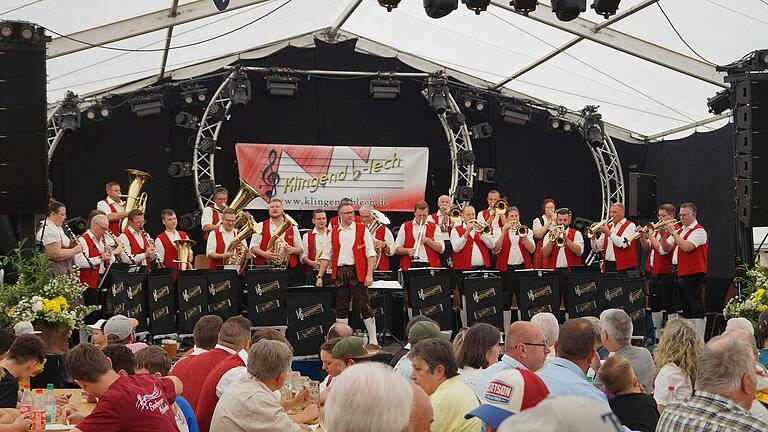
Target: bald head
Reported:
[(743, 336), (99, 219), (422, 413), (526, 343), (339, 330)]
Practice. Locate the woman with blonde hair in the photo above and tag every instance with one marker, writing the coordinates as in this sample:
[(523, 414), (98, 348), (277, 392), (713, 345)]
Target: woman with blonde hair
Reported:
[(677, 362)]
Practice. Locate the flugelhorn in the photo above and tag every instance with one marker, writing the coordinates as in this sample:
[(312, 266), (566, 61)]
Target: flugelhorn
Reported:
[(557, 235), (135, 199), (501, 206), (515, 226), (649, 228), (480, 226), (455, 214), (591, 231)]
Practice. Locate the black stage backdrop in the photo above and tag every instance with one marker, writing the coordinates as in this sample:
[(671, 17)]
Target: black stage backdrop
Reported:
[(532, 161)]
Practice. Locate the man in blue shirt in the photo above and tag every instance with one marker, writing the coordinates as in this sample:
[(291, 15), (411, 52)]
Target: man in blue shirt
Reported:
[(762, 324)]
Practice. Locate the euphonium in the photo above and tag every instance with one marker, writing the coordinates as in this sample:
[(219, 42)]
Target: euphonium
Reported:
[(135, 199), (244, 196), (557, 235), (184, 248), (649, 228), (379, 219), (591, 231), (480, 226), (236, 245), (278, 246)]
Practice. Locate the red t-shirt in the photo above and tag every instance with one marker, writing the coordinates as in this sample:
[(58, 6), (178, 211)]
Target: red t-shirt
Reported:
[(134, 403)]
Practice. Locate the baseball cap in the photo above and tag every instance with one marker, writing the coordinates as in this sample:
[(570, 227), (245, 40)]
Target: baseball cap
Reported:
[(24, 328), (351, 347), (564, 414), (120, 326), (762, 322), (99, 325), (424, 330), (509, 392)]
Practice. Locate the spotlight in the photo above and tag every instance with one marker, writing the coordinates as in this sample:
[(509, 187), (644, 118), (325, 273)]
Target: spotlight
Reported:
[(437, 94), (180, 169), (567, 127), (560, 124), (206, 186), (568, 10), (77, 224), (515, 113), (187, 120), (523, 6), (208, 146), (456, 120), (217, 112), (465, 157), (187, 221), (473, 102), (720, 102), (240, 88), (606, 8), (282, 85), (580, 223), (477, 5), (389, 4), (195, 94), (147, 105), (592, 129), (486, 175), (6, 29), (440, 8), (384, 88), (22, 31), (27, 31), (463, 194), (98, 112), (69, 113), (480, 131)]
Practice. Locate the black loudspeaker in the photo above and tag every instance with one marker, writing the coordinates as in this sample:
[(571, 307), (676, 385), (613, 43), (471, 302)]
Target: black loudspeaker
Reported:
[(23, 123), (483, 298), (225, 293), (642, 196), (309, 317), (192, 298), (265, 297), (161, 296), (539, 292), (429, 294)]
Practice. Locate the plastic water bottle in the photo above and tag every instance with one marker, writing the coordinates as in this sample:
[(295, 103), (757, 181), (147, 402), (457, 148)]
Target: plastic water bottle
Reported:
[(25, 405), (38, 412), (671, 395), (50, 405)]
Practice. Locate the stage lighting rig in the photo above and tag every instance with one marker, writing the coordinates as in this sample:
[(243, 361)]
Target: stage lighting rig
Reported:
[(281, 84), (208, 146), (22, 31), (568, 10), (463, 194), (69, 113), (149, 104), (437, 93), (456, 120), (480, 131), (187, 221), (389, 4), (560, 124), (187, 120), (524, 6), (239, 88), (592, 128), (384, 88), (179, 169), (465, 157), (473, 102), (477, 6), (720, 102), (515, 113), (606, 8), (440, 8), (486, 175), (194, 94)]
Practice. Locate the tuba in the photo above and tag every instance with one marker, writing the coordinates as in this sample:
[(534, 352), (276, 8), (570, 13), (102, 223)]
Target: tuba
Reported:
[(135, 199), (184, 248), (244, 196), (379, 219), (236, 245), (278, 246)]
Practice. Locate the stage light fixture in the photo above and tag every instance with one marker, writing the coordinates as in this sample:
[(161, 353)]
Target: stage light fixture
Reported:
[(239, 88), (384, 88), (69, 113), (456, 120), (22, 31), (26, 31), (480, 131), (282, 85), (389, 4), (217, 112), (98, 112), (465, 157), (515, 113), (486, 175), (180, 169), (593, 130), (477, 6), (208, 146), (568, 10), (463, 194), (440, 8), (194, 94), (190, 220), (149, 104), (206, 186), (77, 224), (720, 102), (606, 8), (524, 6), (473, 102), (560, 124), (437, 94), (580, 223), (187, 120), (6, 29)]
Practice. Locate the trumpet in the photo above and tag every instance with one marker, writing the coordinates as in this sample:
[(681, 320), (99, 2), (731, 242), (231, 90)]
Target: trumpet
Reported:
[(515, 226), (557, 235), (501, 206), (649, 228), (480, 226), (591, 231), (455, 214)]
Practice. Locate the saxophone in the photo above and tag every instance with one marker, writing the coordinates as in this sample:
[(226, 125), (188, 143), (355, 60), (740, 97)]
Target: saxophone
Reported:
[(278, 246), (236, 245)]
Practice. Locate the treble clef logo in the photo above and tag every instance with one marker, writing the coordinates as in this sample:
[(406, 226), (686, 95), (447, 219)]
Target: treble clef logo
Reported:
[(270, 177)]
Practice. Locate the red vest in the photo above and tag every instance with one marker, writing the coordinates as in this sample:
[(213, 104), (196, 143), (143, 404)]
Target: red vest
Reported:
[(506, 247), (462, 260), (571, 258), (436, 220), (136, 248), (114, 226), (692, 262), (214, 220), (207, 400), (384, 261), (358, 251), (625, 258), (171, 254), (485, 214), (334, 223), (220, 248), (193, 372), (88, 276), (266, 235), (662, 264), (432, 257)]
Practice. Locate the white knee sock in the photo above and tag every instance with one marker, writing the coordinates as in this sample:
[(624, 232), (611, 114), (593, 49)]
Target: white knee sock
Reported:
[(370, 325), (658, 319)]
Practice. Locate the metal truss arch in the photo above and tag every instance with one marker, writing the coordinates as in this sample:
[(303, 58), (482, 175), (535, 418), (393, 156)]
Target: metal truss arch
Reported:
[(54, 132), (458, 140), (611, 179)]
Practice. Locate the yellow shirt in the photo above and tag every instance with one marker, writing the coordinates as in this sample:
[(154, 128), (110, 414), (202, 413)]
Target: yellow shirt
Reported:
[(451, 401)]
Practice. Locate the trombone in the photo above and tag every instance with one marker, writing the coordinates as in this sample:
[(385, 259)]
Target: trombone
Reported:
[(557, 235), (480, 226), (591, 231), (649, 228)]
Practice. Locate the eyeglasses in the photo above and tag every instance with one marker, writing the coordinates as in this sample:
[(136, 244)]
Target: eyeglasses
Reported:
[(543, 345), (347, 212), (685, 214)]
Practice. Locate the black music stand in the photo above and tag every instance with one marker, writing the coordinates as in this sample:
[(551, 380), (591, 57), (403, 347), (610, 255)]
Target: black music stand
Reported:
[(539, 292), (482, 298), (429, 293), (161, 295), (192, 298), (225, 293), (583, 295), (265, 296), (309, 316), (384, 307)]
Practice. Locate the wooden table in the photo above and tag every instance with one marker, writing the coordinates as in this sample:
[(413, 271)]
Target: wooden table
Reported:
[(76, 400)]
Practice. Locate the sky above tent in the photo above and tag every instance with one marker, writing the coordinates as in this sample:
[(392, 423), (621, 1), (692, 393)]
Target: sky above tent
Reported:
[(632, 92)]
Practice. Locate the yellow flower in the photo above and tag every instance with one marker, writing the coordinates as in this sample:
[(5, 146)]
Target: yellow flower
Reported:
[(759, 293), (762, 308)]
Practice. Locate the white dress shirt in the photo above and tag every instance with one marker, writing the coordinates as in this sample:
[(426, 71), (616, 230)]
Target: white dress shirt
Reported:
[(207, 217), (614, 240), (439, 234), (562, 261), (159, 249), (321, 238), (81, 261), (659, 250), (536, 224), (458, 242), (139, 258), (698, 238), (227, 236), (389, 239), (494, 221), (422, 249), (231, 375), (515, 252), (52, 234), (103, 205), (346, 243), (256, 239)]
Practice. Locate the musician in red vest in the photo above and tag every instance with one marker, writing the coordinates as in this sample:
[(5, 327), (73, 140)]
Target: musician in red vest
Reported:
[(137, 241), (211, 218), (569, 255), (217, 247), (165, 248), (541, 226), (383, 241), (471, 249), (426, 232), (514, 252), (113, 206), (442, 218), (99, 257), (658, 269), (689, 246), (352, 259), (260, 240), (618, 254), (489, 215), (334, 222), (314, 242)]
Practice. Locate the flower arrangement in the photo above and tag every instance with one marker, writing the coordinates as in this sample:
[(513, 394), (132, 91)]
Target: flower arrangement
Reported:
[(40, 297), (754, 296)]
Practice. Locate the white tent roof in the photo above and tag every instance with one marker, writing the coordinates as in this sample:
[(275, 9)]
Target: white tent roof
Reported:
[(637, 68)]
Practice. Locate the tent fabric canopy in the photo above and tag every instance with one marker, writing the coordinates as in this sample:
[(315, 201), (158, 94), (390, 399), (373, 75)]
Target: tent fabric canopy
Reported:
[(637, 68)]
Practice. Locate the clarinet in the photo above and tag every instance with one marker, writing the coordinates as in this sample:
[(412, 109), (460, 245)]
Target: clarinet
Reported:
[(147, 239), (71, 235), (117, 244)]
